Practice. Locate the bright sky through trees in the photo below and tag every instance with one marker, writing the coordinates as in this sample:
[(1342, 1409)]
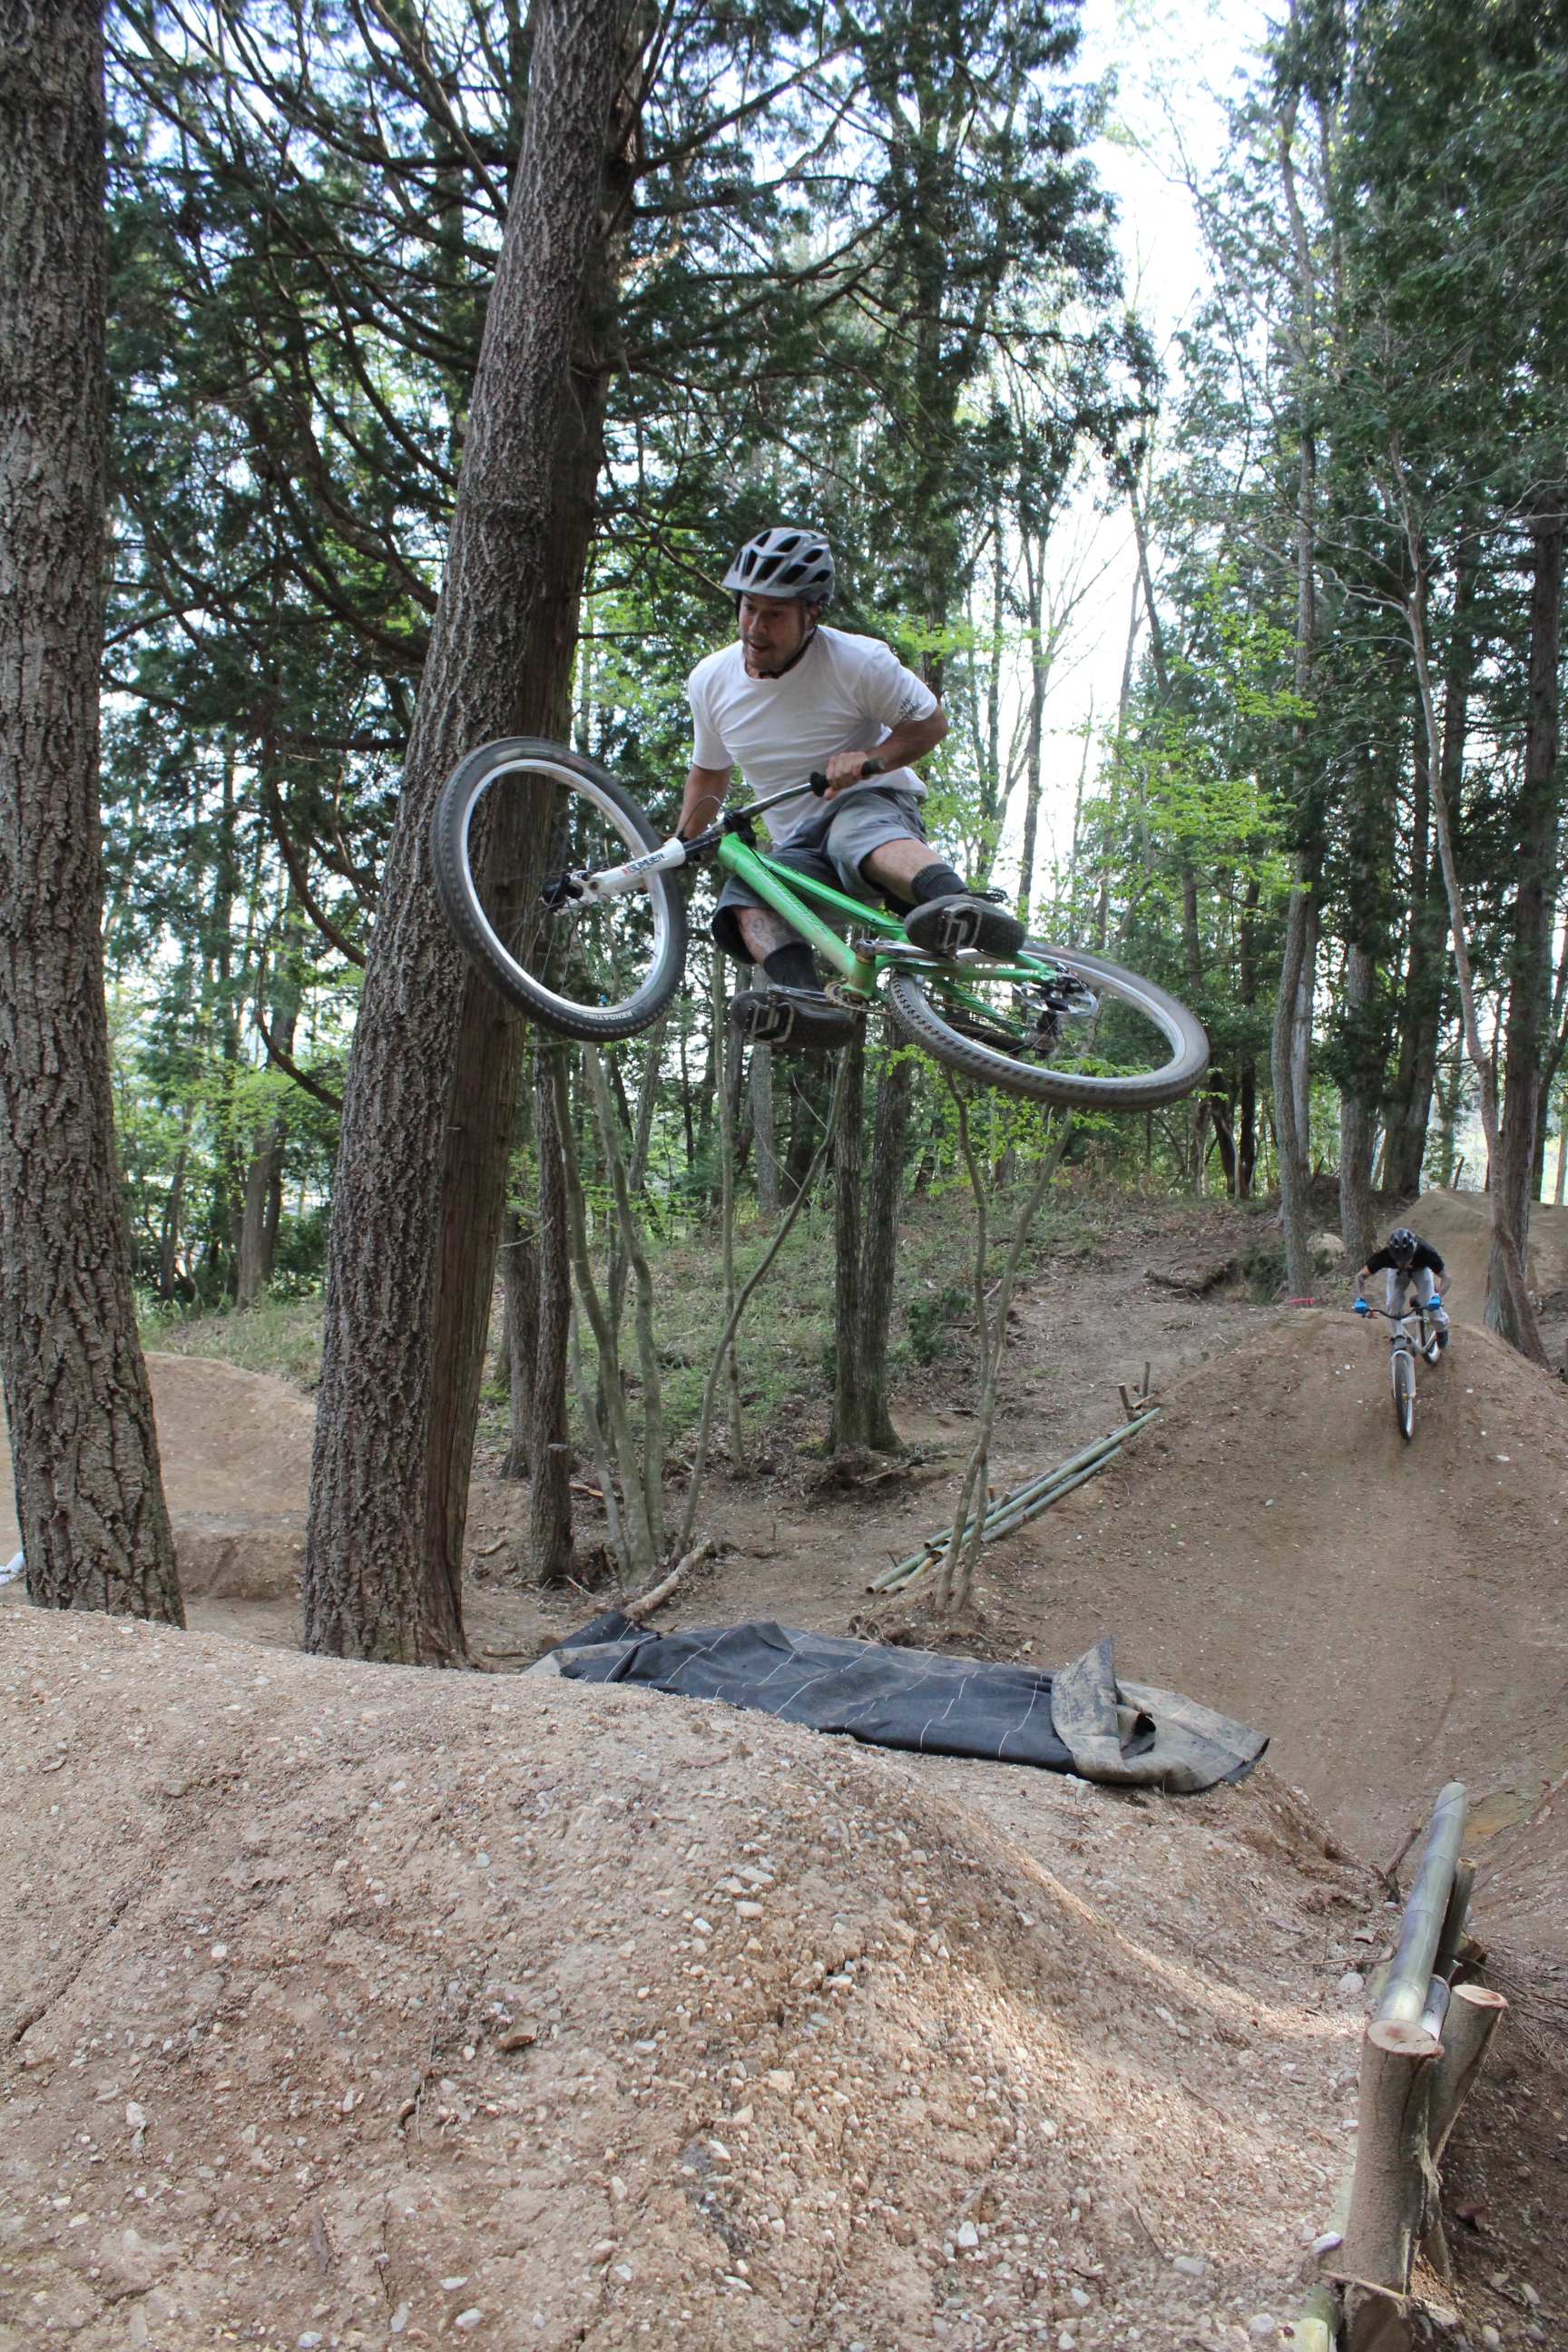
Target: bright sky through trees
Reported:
[(1173, 70)]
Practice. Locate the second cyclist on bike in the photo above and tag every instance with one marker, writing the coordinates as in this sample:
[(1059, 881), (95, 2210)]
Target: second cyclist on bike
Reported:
[(1410, 1265), (790, 696)]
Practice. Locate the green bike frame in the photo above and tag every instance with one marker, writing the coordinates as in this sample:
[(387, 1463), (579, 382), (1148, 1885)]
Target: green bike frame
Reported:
[(858, 974)]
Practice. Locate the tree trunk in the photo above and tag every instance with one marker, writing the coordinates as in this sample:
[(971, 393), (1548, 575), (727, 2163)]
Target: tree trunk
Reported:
[(1290, 1045), (808, 1101), (1247, 978), (847, 1428), (84, 1450), (878, 1265), (520, 1338), (548, 1452), (1291, 1137), (1534, 912), (1508, 1257), (766, 1149), (249, 1280), (1033, 555), (1371, 822), (417, 1213), (263, 1178), (1410, 1105)]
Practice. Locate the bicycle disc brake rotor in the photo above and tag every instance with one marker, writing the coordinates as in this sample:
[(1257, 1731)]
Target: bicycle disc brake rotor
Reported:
[(1024, 1021)]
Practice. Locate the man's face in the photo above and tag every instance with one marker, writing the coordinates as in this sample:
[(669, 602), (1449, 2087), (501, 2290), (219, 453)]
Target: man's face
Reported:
[(773, 631)]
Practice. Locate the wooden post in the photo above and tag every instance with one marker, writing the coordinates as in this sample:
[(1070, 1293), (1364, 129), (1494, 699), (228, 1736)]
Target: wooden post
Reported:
[(1474, 2012), (1394, 2190)]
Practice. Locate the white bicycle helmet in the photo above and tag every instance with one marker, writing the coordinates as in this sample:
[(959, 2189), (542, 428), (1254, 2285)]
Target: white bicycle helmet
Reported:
[(783, 561)]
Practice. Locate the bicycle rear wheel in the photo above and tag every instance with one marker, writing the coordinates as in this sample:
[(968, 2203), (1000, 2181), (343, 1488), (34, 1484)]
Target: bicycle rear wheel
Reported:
[(994, 1030), (1402, 1370), (514, 821)]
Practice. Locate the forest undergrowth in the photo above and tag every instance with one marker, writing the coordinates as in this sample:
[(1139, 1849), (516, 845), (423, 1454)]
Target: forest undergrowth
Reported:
[(787, 1341)]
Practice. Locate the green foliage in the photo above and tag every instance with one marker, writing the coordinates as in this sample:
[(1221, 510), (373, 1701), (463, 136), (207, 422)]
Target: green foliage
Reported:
[(926, 1318)]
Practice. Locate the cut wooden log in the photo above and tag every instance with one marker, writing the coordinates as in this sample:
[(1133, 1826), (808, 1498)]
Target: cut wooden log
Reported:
[(1393, 2198), (1474, 2012)]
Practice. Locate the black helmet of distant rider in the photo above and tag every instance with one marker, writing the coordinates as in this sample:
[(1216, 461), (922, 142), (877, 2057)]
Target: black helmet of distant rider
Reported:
[(1402, 1245), (783, 561)]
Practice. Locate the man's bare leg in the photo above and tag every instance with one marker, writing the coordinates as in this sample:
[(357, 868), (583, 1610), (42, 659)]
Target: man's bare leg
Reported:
[(763, 931), (893, 865)]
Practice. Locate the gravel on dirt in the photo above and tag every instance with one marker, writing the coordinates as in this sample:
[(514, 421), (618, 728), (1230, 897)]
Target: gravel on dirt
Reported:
[(378, 2007)]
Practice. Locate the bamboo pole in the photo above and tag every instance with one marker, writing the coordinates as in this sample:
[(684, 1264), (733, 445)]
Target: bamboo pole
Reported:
[(1020, 1504), (1454, 1919), (1317, 2325), (1405, 1991)]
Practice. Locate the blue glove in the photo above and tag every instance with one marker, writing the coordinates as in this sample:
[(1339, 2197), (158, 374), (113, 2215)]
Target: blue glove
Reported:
[(1362, 1308)]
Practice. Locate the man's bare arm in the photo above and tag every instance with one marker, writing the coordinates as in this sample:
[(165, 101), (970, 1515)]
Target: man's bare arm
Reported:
[(908, 741), (703, 799)]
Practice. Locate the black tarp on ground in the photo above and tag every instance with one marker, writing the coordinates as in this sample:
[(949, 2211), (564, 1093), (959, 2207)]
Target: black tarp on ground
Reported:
[(1078, 1720)]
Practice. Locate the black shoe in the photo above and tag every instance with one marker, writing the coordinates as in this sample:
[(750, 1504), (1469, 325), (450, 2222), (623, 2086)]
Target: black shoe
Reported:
[(800, 1020), (1442, 1336), (942, 926)]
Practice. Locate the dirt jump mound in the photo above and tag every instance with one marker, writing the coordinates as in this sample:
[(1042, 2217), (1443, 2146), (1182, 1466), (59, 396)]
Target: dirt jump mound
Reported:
[(235, 1451), (1390, 1612), (351, 2005)]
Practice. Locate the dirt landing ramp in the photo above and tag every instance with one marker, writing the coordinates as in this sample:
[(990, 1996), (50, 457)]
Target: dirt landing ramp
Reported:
[(1460, 1225), (236, 1449), (540, 2014), (1391, 1615)]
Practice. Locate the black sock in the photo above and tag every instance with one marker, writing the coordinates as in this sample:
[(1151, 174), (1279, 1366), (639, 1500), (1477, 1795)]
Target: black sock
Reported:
[(935, 881), (791, 966)]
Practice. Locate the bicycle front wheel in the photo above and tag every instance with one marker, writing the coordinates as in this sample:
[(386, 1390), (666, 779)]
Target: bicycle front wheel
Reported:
[(1148, 1048), (516, 822), (1403, 1369)]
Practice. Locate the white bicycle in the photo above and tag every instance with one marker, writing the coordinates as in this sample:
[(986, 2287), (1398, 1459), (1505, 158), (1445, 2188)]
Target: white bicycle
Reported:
[(1405, 1344)]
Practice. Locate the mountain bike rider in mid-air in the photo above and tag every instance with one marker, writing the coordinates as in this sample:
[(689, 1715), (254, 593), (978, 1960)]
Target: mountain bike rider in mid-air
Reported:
[(1410, 1264), (791, 695)]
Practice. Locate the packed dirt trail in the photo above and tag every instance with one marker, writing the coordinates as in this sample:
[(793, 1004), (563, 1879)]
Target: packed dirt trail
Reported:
[(1390, 1613), (350, 2006), (1460, 1224), (235, 1453)]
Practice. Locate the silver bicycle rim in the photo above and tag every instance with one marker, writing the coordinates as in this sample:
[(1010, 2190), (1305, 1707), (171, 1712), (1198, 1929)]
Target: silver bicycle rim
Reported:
[(586, 789)]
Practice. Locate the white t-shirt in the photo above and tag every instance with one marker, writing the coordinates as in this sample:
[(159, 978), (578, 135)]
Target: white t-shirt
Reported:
[(844, 694)]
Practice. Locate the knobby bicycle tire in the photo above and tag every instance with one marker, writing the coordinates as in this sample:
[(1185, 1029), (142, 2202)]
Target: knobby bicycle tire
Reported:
[(460, 808), (1404, 1377), (915, 1013)]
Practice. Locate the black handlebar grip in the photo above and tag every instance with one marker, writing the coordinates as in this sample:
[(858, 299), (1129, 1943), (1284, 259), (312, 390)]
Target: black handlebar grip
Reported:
[(818, 782)]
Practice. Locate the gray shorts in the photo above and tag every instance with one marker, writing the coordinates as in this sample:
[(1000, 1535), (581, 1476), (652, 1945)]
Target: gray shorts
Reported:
[(831, 844), (1418, 1283)]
